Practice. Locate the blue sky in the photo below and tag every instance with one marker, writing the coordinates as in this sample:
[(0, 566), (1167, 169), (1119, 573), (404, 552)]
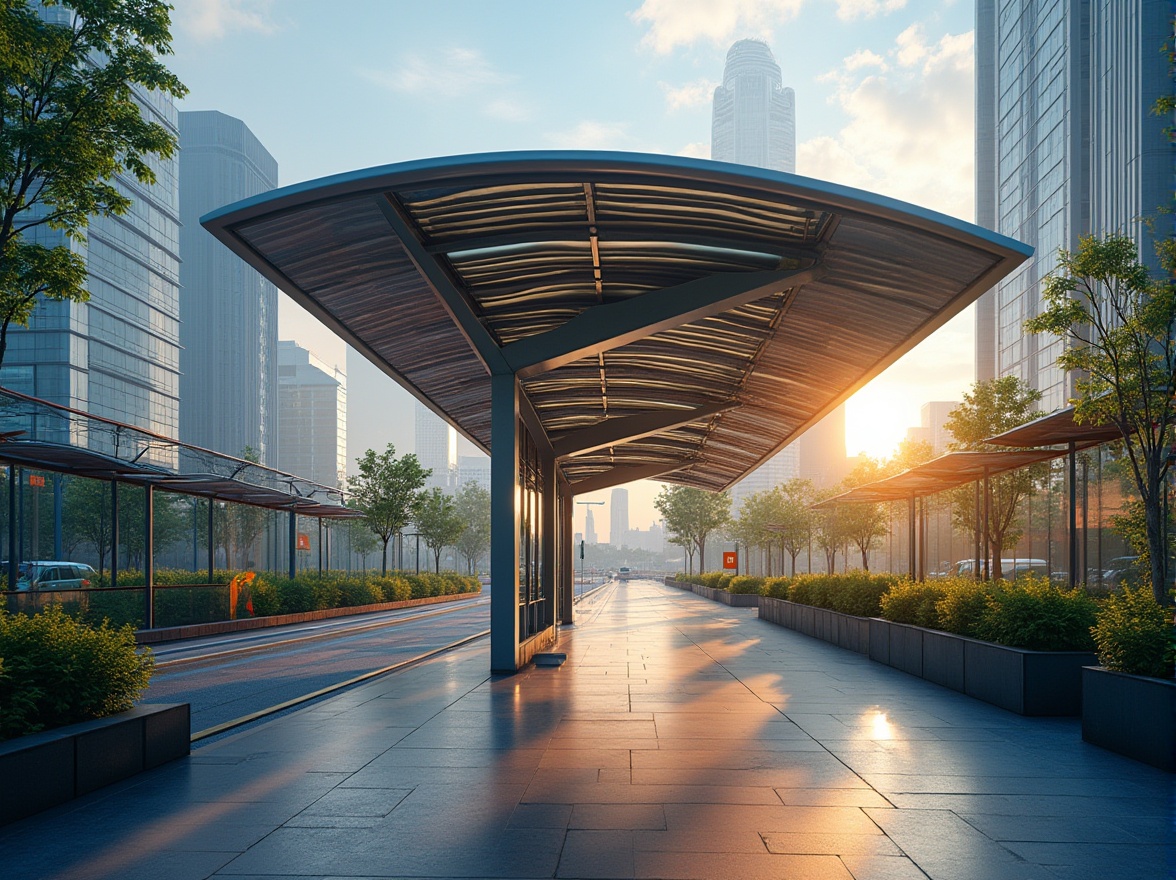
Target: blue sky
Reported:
[(883, 95)]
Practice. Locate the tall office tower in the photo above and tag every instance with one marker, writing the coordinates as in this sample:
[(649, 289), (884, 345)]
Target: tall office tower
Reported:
[(312, 416), (589, 527), (117, 355), (753, 121), (436, 448), (1066, 146), (228, 312), (618, 517)]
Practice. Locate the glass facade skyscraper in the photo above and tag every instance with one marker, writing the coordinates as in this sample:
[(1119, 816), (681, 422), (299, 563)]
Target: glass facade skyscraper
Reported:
[(1066, 146), (312, 427), (229, 329), (117, 355), (753, 120)]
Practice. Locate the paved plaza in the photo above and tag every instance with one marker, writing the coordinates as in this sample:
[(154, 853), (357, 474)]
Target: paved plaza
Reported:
[(682, 739)]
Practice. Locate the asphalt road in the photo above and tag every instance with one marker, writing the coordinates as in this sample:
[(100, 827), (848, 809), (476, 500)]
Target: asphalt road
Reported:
[(230, 676)]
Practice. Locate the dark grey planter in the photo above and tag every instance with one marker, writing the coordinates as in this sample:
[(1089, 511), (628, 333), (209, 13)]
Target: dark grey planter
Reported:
[(1023, 681), (1133, 715), (843, 630), (45, 769)]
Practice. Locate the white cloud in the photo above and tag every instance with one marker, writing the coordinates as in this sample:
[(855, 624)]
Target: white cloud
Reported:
[(675, 23), (696, 150), (592, 135), (696, 94), (454, 72), (910, 129), (851, 10), (864, 58), (214, 19)]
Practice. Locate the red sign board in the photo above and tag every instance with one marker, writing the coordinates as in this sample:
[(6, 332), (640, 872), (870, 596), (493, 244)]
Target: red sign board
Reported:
[(303, 541), (731, 560), (36, 480)]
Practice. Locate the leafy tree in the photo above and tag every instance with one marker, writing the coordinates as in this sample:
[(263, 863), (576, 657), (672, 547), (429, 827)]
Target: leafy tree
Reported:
[(69, 122), (1118, 323), (750, 527), (793, 517), (388, 491), (863, 524), (86, 516), (993, 407), (473, 506), (361, 540), (692, 514), (241, 524), (439, 523)]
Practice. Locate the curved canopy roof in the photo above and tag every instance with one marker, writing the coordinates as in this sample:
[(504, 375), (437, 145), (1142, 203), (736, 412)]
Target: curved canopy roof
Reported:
[(664, 316)]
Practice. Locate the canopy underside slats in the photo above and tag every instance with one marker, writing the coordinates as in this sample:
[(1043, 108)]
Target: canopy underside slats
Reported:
[(524, 244)]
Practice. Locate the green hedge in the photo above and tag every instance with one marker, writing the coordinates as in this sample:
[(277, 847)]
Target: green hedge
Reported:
[(57, 670), (745, 584), (1135, 634), (857, 592), (1029, 612)]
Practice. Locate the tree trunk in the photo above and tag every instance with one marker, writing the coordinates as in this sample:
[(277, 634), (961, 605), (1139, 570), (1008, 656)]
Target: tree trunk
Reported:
[(702, 555), (384, 560), (1157, 550), (437, 560), (794, 555), (865, 560)]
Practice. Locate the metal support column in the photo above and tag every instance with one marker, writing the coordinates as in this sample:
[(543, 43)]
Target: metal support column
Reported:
[(13, 562), (58, 509), (114, 533), (922, 539), (976, 533), (548, 550), (1073, 456), (504, 523), (320, 545), (987, 536), (293, 540), (211, 539), (911, 536), (148, 557), (566, 552)]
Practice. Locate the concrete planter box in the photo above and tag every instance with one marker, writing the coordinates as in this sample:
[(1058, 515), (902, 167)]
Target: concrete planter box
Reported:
[(736, 600), (1133, 715), (1021, 681), (843, 630), (45, 769)]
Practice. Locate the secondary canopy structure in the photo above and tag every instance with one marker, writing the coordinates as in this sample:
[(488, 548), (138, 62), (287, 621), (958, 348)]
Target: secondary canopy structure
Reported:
[(595, 318)]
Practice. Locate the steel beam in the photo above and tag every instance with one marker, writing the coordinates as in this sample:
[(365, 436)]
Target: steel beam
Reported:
[(605, 327), (611, 432), (566, 555), (454, 301), (148, 556), (620, 475)]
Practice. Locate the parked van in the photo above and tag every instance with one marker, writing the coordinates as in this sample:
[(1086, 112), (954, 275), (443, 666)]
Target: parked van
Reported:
[(1010, 568)]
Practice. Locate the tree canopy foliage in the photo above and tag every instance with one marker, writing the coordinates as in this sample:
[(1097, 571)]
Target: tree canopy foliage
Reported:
[(438, 522), (1117, 321), (691, 515), (473, 506), (992, 407), (70, 122), (388, 491)]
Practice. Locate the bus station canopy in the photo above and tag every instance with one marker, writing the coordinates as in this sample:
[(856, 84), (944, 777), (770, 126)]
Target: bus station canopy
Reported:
[(1055, 429), (664, 317)]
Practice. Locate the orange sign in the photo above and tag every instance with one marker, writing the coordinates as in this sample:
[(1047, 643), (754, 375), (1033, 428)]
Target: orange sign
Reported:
[(303, 541), (36, 480), (730, 559)]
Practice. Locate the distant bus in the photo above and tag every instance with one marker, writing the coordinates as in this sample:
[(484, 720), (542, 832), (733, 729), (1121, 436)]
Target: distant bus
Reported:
[(624, 573)]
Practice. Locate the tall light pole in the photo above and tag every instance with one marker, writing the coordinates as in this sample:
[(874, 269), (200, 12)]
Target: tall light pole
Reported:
[(585, 504)]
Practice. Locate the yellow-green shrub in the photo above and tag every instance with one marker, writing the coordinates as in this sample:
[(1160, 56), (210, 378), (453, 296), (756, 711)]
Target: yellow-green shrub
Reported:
[(913, 602), (1133, 634), (58, 670), (1035, 614)]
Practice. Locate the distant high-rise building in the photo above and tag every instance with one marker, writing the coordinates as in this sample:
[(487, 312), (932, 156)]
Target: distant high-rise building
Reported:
[(589, 527), (229, 313), (118, 355), (473, 469), (1066, 145), (618, 517), (753, 121), (436, 448), (312, 421)]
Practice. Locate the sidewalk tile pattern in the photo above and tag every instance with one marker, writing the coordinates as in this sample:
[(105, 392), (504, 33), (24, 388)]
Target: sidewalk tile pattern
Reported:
[(682, 739)]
